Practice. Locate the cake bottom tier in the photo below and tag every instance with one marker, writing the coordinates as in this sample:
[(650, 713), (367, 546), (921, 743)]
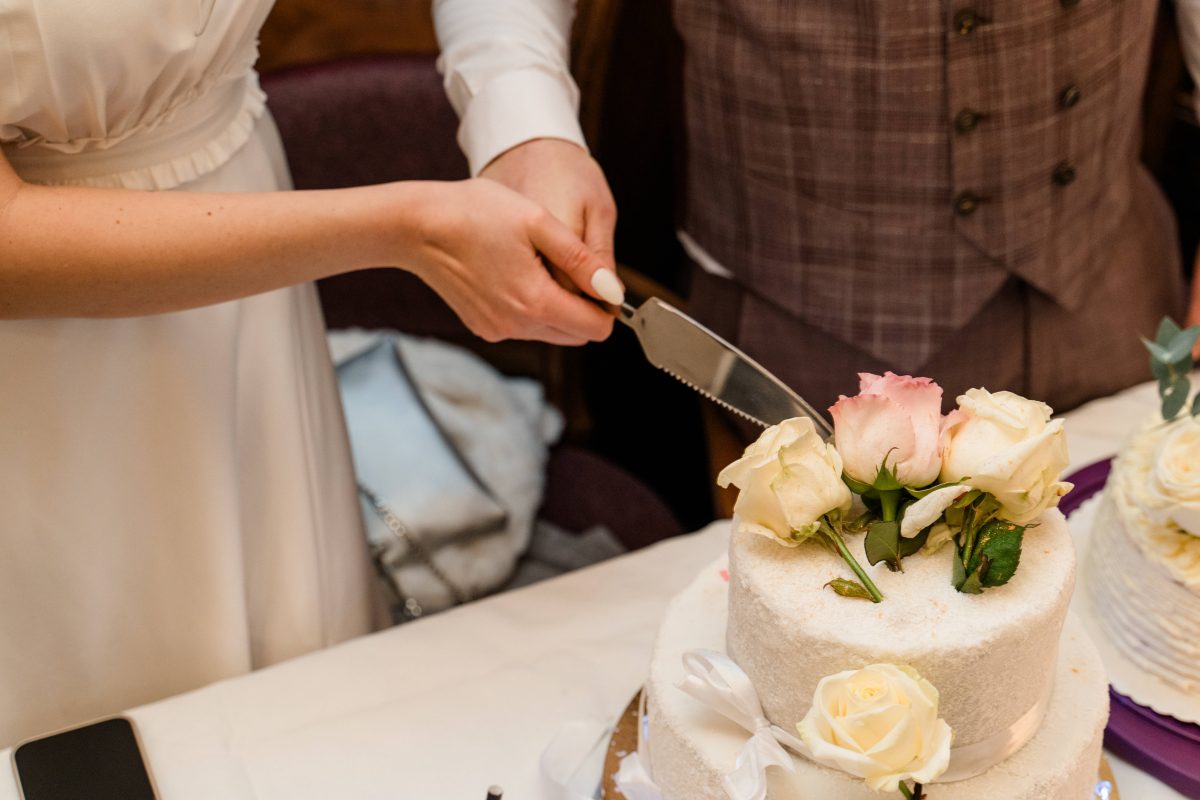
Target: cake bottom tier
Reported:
[(691, 748)]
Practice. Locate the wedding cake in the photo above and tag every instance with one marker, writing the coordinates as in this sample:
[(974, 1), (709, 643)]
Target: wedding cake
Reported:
[(1141, 576), (945, 667), (1143, 564)]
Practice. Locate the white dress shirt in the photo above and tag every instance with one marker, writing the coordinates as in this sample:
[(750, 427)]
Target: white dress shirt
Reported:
[(505, 64)]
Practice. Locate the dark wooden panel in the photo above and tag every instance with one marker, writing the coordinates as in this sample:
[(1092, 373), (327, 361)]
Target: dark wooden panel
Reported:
[(310, 31)]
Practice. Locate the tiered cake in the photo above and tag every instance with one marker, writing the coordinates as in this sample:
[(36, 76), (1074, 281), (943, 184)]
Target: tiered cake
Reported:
[(1143, 564), (992, 657), (775, 675)]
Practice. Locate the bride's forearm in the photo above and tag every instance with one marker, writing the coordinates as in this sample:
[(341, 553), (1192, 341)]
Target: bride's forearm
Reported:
[(79, 252)]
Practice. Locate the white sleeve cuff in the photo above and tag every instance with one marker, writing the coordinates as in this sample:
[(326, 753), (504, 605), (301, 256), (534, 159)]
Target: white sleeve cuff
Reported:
[(515, 107)]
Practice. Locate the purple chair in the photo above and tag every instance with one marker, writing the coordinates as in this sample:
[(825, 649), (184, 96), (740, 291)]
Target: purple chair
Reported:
[(386, 118)]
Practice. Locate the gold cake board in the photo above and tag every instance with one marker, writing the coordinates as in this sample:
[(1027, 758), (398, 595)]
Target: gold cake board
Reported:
[(625, 740)]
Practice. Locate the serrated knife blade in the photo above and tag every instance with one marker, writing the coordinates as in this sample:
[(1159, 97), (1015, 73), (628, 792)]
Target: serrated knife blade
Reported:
[(682, 347)]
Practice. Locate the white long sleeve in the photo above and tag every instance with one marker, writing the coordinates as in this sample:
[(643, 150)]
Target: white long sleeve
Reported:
[(505, 68), (1187, 14)]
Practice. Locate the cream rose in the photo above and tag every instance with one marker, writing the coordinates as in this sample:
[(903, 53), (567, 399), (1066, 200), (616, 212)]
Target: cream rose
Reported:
[(788, 479), (1008, 446), (879, 723), (1173, 485), (893, 418)]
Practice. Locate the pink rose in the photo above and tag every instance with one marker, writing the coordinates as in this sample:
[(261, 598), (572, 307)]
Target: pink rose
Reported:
[(897, 418)]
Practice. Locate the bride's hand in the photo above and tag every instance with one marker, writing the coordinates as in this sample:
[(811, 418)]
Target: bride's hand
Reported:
[(480, 246)]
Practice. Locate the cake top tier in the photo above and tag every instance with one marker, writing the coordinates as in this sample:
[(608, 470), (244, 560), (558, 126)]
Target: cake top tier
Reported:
[(924, 616)]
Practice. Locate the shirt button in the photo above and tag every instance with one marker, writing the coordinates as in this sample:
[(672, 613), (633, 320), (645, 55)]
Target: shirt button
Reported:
[(965, 21), (1064, 173), (966, 120), (1070, 96), (966, 203)]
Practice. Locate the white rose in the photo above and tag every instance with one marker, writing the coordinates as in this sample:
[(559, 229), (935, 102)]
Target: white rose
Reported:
[(1008, 446), (788, 479), (879, 723), (1173, 486)]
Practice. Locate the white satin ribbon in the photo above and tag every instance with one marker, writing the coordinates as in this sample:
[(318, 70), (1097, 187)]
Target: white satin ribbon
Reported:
[(975, 759), (717, 681)]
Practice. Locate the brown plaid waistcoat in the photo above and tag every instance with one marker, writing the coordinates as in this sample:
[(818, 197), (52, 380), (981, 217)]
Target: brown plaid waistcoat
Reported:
[(880, 168)]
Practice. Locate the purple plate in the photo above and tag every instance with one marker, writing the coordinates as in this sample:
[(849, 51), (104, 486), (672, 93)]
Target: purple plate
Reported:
[(1158, 745)]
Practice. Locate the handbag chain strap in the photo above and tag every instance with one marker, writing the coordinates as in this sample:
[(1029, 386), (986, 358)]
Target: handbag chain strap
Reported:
[(412, 607)]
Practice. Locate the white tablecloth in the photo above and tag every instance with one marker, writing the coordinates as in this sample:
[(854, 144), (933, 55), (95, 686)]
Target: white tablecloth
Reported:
[(446, 706)]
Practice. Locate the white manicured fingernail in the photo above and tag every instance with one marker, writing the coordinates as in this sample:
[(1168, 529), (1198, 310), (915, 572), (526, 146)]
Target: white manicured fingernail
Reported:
[(605, 282)]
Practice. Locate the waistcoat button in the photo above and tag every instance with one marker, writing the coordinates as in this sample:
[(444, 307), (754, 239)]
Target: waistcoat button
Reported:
[(965, 21), (965, 204), (1064, 173), (1070, 96), (1068, 3), (966, 120)]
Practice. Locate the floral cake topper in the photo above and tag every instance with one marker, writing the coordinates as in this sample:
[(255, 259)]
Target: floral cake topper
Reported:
[(977, 477)]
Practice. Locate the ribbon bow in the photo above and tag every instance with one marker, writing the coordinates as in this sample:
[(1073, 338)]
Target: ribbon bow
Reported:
[(715, 680)]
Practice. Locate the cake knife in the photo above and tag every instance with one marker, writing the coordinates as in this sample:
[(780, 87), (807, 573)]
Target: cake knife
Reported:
[(682, 347)]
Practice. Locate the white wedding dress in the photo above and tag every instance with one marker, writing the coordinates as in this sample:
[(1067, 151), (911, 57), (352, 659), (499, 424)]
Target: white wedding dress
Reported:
[(176, 498)]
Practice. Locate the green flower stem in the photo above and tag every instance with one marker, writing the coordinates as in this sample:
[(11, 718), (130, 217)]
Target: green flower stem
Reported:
[(904, 790), (890, 501), (836, 538), (912, 794)]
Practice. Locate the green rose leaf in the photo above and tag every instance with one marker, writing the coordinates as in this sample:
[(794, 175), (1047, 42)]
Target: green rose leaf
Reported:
[(858, 487), (997, 553), (919, 493), (859, 524), (885, 479), (848, 588), (911, 544), (802, 535), (883, 544), (1174, 397), (967, 499), (960, 572), (974, 582)]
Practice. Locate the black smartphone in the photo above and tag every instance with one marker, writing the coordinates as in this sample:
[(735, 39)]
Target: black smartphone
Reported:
[(100, 761)]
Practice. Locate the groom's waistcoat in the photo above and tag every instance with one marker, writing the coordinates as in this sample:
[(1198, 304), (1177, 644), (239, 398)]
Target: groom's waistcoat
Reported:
[(879, 168)]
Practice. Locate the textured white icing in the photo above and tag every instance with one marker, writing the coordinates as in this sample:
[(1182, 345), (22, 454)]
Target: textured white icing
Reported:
[(691, 747), (989, 655), (1143, 575)]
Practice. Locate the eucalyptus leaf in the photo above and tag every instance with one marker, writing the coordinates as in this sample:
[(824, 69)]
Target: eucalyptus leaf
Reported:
[(1162, 372), (997, 553), (1196, 406), (883, 544), (911, 544), (1167, 330), (1175, 397), (1181, 345), (848, 588), (1158, 351)]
